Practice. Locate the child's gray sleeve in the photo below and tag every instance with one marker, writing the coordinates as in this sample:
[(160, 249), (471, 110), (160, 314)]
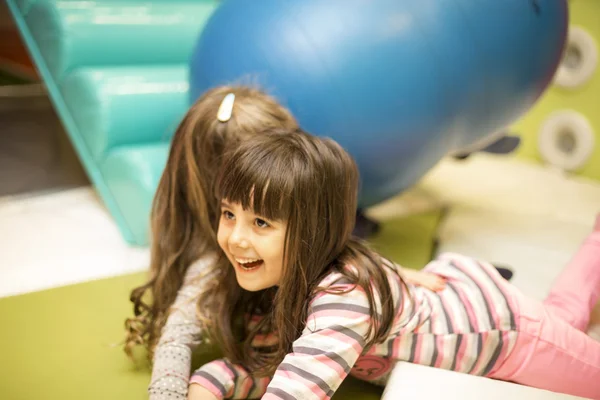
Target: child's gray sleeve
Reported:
[(180, 335)]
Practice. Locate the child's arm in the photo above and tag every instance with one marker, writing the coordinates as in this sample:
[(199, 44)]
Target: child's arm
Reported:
[(226, 380), (422, 278), (322, 357), (332, 341), (426, 279), (181, 333)]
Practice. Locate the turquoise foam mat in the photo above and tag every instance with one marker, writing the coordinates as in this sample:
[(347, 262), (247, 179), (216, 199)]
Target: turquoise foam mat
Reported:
[(116, 72)]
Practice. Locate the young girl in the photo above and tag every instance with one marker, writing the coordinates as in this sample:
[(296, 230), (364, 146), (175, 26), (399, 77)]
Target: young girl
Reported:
[(184, 219), (297, 304)]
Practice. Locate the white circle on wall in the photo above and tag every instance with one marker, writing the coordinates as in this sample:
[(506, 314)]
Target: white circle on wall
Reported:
[(580, 59), (566, 140)]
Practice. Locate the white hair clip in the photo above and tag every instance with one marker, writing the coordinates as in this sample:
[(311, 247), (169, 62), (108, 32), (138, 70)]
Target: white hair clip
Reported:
[(226, 108)]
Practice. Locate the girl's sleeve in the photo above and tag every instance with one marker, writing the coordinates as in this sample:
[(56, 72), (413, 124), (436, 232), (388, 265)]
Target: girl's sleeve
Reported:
[(321, 358), (229, 381), (180, 335)]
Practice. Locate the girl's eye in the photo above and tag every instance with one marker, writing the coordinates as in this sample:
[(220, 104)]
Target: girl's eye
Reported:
[(228, 214), (261, 223)]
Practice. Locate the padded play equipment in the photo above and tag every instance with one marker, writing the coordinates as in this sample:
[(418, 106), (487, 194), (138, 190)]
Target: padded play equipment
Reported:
[(399, 84), (117, 73), (410, 381)]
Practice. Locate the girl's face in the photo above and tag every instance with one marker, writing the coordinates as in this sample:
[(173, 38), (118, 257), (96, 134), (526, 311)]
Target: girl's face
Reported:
[(254, 246)]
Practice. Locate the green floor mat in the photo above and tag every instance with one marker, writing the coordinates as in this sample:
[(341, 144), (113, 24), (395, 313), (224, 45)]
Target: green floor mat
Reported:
[(408, 241), (63, 343)]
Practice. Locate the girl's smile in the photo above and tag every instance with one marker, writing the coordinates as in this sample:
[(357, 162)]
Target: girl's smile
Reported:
[(248, 265), (253, 245)]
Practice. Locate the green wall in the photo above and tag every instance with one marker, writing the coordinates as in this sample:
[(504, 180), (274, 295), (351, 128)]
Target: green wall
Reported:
[(585, 99)]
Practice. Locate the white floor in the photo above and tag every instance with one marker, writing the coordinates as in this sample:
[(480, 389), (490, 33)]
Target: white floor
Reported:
[(58, 239)]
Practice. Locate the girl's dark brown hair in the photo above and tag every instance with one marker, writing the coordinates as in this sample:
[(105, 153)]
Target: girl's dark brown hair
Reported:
[(184, 210), (312, 184)]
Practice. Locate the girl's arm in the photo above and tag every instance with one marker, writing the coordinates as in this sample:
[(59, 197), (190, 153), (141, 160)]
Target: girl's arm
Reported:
[(332, 341), (426, 279), (181, 333), (422, 278), (322, 357), (225, 380)]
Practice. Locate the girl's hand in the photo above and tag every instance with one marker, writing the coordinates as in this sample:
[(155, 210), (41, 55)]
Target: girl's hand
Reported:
[(426, 279), (197, 392)]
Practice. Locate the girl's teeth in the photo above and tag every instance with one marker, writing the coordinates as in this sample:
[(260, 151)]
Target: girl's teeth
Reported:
[(248, 261), (250, 265)]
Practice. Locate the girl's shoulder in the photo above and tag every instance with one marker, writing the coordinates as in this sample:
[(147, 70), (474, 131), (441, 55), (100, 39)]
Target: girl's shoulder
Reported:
[(337, 280), (337, 286), (200, 268), (336, 291), (332, 279)]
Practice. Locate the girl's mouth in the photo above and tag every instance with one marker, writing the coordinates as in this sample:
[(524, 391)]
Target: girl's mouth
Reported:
[(249, 265)]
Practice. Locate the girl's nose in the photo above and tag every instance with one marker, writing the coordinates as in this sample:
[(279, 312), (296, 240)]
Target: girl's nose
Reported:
[(238, 238)]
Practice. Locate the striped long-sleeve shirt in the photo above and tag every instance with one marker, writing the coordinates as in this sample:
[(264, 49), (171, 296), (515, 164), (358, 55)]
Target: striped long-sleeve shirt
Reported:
[(468, 327)]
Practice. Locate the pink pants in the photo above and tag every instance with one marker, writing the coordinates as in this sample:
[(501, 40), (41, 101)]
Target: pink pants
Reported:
[(552, 350)]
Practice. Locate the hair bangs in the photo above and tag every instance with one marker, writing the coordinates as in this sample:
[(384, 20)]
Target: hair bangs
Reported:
[(246, 180)]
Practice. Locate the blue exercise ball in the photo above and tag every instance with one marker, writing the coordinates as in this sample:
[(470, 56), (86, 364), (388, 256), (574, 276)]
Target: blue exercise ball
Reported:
[(398, 83)]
